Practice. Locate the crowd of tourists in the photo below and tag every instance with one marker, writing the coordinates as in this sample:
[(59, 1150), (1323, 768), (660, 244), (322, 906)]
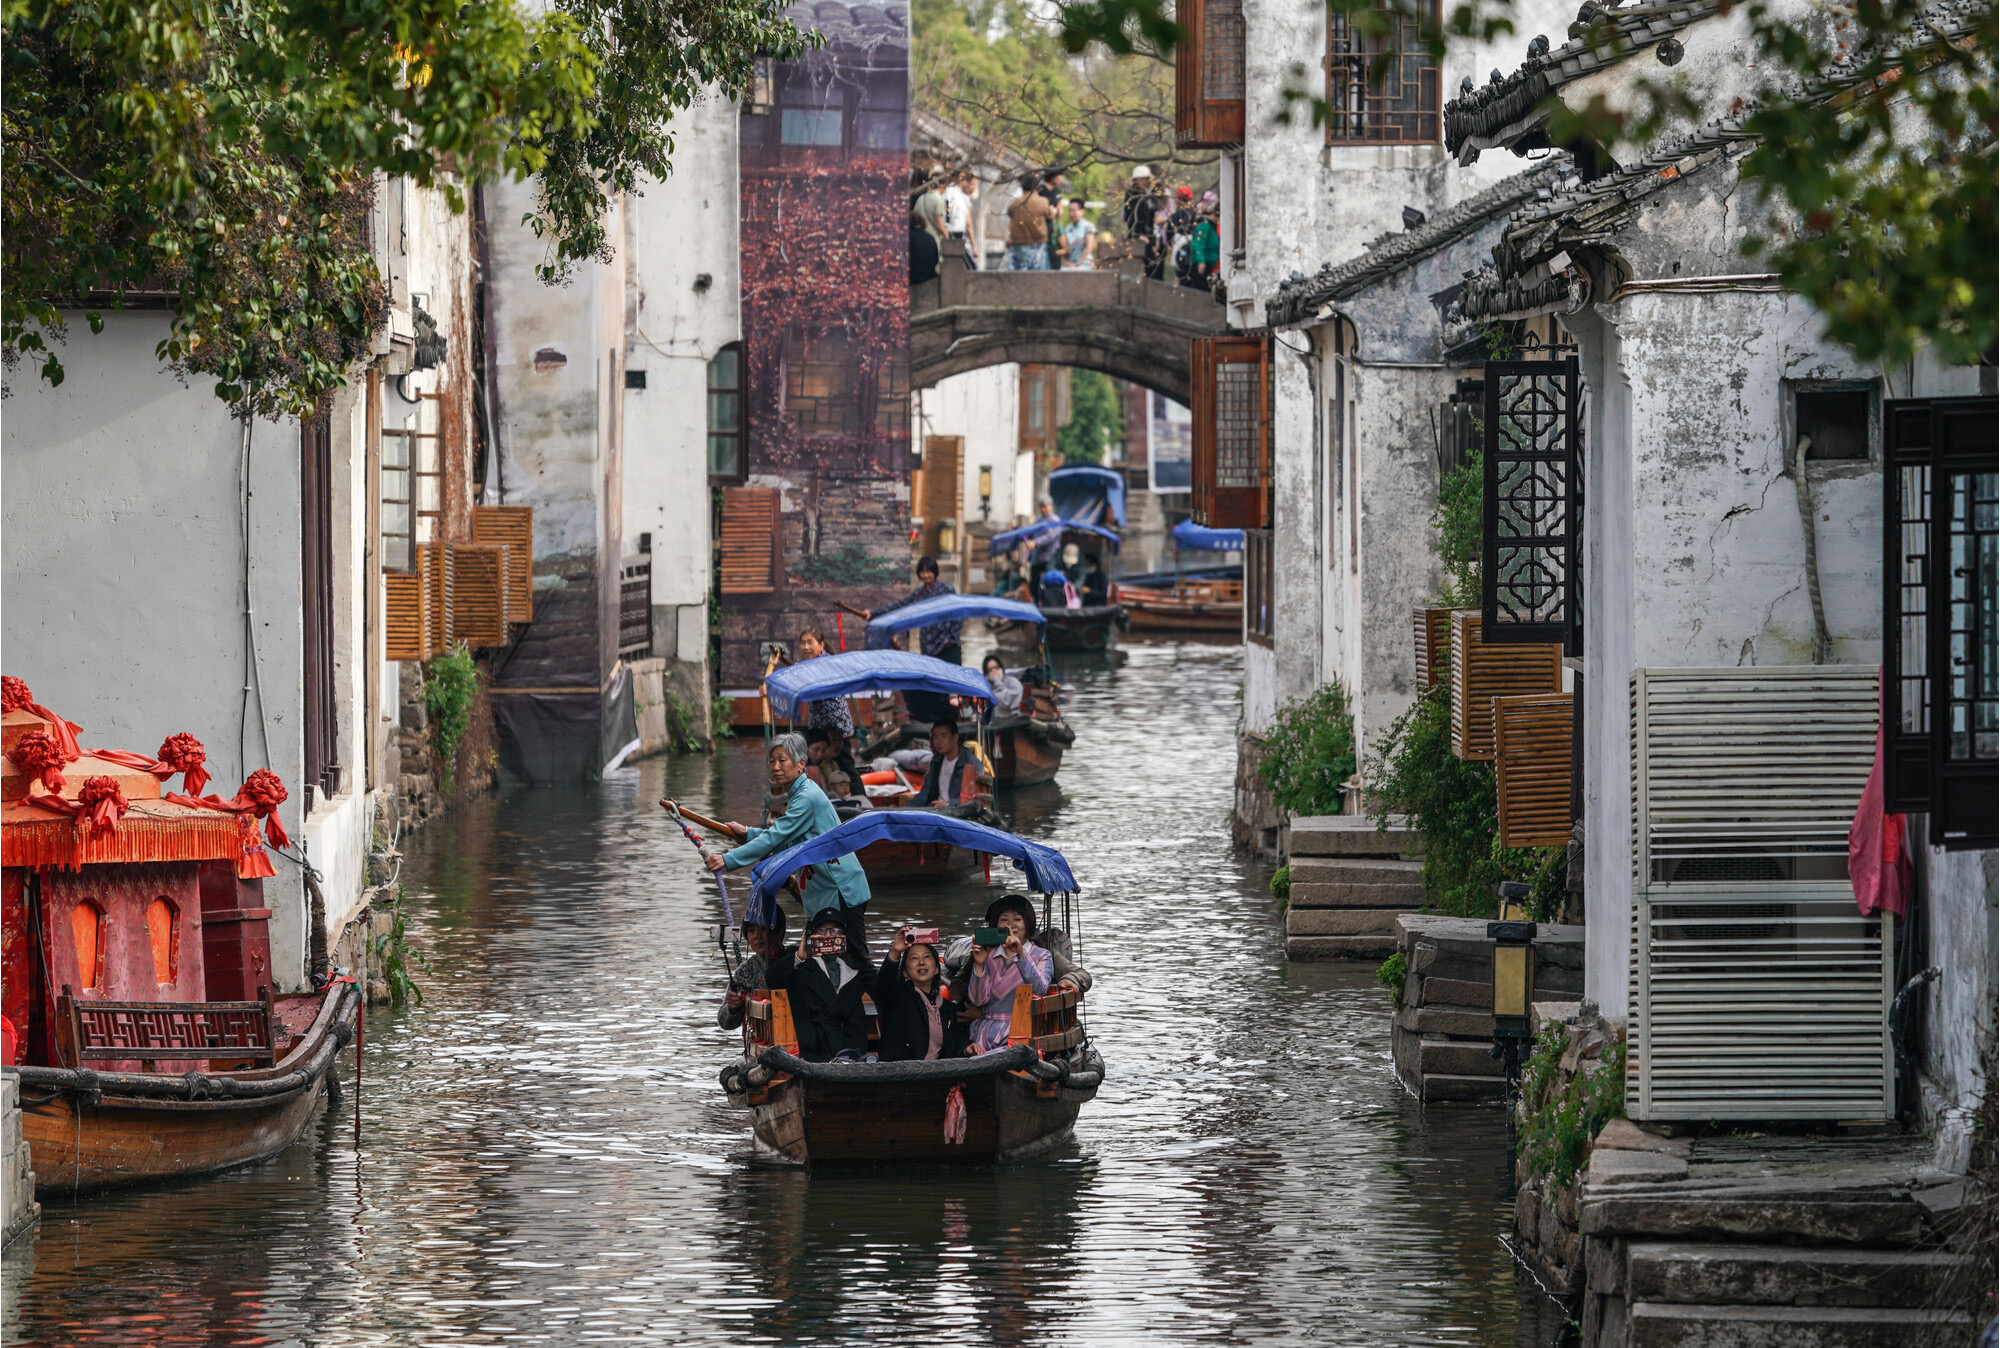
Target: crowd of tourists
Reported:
[(1173, 234)]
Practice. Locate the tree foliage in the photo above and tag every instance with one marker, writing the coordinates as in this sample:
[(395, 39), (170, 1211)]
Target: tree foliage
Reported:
[(218, 155), (1096, 418)]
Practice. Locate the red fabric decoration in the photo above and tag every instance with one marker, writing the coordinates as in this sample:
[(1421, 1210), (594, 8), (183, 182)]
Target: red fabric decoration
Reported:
[(98, 806), (14, 696), (261, 795), (38, 754), (954, 1117), (184, 754), (1878, 863)]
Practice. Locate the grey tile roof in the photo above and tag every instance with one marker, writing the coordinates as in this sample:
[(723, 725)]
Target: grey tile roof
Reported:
[(864, 27), (1299, 297), (1498, 113)]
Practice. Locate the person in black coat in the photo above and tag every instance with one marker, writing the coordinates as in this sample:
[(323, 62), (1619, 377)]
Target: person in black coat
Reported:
[(915, 1016), (956, 784), (825, 992)]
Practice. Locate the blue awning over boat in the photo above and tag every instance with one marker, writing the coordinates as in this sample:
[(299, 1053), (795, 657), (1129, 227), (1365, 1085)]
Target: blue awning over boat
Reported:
[(864, 672), (1191, 535), (1001, 543), (948, 608), (1045, 869), (1084, 491)]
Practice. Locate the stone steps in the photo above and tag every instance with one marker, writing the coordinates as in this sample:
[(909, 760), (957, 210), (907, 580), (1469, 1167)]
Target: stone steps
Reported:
[(1665, 1325), (1786, 1275), (1356, 871), (1341, 922), (1349, 835), (1378, 947), (1444, 1086), (1396, 898)]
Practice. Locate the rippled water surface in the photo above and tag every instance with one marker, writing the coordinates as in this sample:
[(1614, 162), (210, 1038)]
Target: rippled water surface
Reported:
[(546, 1156)]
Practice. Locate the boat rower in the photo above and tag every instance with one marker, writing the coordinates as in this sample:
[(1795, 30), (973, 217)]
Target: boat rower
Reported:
[(836, 885)]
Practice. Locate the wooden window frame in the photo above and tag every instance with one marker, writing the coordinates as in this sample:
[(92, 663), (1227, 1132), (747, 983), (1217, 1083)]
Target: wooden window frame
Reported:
[(741, 435), (1259, 589), (414, 475), (1927, 444), (321, 716), (1348, 54), (1209, 78), (1218, 504)]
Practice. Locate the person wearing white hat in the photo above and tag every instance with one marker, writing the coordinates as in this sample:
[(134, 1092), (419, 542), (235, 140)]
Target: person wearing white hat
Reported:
[(1140, 206)]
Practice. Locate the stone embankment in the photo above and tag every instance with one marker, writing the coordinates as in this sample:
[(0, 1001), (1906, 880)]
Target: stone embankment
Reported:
[(1443, 1032), (1350, 882), (17, 1178)]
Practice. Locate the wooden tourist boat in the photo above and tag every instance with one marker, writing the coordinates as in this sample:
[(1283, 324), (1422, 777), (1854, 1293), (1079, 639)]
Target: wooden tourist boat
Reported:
[(137, 969), (1186, 605), (1020, 1101)]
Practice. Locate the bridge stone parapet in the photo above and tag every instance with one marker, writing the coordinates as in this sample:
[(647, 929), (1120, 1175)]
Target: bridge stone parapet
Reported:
[(1127, 326)]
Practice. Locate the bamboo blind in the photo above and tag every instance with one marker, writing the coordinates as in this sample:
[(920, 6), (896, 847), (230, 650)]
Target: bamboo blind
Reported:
[(477, 610), (512, 528), (1433, 632), (403, 616), (749, 540), (1532, 741), (1480, 673)]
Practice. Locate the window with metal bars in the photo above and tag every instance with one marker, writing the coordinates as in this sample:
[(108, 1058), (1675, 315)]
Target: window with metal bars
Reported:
[(1382, 87), (1232, 431), (1941, 552)]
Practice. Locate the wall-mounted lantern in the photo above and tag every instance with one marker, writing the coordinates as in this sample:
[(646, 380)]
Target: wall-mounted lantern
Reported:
[(1513, 938), (947, 538), (986, 492)]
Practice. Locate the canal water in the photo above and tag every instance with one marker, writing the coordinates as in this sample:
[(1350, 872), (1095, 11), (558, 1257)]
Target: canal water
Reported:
[(546, 1156)]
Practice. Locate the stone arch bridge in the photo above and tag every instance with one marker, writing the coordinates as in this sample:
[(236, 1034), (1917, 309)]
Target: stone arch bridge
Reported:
[(1136, 329)]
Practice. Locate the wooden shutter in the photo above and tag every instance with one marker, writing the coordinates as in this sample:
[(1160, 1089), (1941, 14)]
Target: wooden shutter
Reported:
[(1758, 990), (477, 608), (434, 566), (1209, 74), (1480, 673), (1532, 743), (403, 615), (1232, 432), (512, 528), (1533, 504), (1433, 632), (748, 540)]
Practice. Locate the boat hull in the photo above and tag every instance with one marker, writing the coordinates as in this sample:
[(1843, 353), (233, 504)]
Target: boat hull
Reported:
[(901, 863), (1147, 617), (89, 1131), (1020, 758), (1010, 1117), (1066, 629)]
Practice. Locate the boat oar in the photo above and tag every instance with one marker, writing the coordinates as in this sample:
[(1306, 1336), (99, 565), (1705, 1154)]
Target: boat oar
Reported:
[(728, 913)]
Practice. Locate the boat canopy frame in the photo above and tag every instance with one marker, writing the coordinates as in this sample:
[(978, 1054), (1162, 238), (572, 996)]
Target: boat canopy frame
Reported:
[(850, 672), (946, 608)]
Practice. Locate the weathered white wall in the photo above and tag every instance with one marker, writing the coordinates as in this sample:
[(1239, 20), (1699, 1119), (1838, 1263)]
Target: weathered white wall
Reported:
[(682, 306), (1959, 1026), (122, 569), (983, 406)]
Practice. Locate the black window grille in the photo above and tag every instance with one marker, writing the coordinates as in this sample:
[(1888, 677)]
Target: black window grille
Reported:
[(1941, 546), (1382, 87), (1531, 533), (725, 415)]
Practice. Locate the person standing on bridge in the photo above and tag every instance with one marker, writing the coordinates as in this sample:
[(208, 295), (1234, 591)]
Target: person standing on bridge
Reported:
[(1028, 228), (1079, 240)]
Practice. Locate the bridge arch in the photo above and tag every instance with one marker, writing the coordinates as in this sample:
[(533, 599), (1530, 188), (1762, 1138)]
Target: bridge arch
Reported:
[(1125, 326)]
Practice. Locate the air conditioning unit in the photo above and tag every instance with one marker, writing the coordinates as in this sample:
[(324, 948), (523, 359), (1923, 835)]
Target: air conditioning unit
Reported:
[(1758, 990)]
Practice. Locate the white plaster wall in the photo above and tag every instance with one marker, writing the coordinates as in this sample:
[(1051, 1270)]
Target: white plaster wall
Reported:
[(1964, 917), (678, 231), (1296, 568), (121, 571), (983, 406)]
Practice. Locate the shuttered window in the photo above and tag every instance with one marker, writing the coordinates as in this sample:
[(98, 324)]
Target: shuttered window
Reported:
[(1209, 74), (1533, 505), (1532, 762), (1482, 671), (512, 530), (403, 615), (1941, 698), (477, 604), (748, 540), (1433, 633), (1382, 87), (1232, 432)]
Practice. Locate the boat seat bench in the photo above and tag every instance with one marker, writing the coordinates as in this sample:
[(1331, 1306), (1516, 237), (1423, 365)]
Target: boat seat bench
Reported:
[(150, 1031)]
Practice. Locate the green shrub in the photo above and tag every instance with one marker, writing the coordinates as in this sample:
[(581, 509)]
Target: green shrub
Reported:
[(721, 717), (851, 564), (1456, 520), (1395, 971), (1281, 884), (1309, 754), (394, 956), (1559, 1124), (450, 683)]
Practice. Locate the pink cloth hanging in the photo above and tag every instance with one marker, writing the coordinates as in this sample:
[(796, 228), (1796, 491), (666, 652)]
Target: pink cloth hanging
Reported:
[(1878, 855)]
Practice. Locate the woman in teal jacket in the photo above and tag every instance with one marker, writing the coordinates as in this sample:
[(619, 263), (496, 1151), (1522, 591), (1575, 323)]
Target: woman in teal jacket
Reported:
[(838, 885)]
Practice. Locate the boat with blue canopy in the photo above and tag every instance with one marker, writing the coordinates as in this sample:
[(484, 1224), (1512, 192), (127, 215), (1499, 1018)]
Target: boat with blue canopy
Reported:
[(947, 608), (1073, 531), (851, 672), (1088, 494), (1199, 538), (1012, 1102)]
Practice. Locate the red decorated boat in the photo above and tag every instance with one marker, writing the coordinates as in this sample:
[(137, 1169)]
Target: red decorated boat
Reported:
[(135, 970)]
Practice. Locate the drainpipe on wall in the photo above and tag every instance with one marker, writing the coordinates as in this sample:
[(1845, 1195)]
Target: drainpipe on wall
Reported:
[(1822, 641)]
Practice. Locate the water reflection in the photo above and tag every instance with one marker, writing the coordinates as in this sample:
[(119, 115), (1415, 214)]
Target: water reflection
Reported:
[(547, 1157)]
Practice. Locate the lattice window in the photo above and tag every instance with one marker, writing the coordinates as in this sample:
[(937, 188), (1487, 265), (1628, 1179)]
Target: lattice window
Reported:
[(1533, 505), (1382, 88), (1209, 74), (1239, 425), (1232, 432), (1941, 700)]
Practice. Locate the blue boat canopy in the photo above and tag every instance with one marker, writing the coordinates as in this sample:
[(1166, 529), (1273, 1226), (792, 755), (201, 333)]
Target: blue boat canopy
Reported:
[(1085, 492), (1188, 534), (1045, 869), (864, 672), (947, 608), (1001, 543)]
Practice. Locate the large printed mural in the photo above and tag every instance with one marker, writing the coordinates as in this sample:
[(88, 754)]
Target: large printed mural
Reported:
[(825, 276)]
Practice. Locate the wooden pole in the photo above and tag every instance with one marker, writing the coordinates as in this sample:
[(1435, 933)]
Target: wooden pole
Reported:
[(672, 806)]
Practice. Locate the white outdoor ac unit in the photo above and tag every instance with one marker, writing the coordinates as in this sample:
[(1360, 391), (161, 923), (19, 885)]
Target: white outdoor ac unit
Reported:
[(1758, 989)]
